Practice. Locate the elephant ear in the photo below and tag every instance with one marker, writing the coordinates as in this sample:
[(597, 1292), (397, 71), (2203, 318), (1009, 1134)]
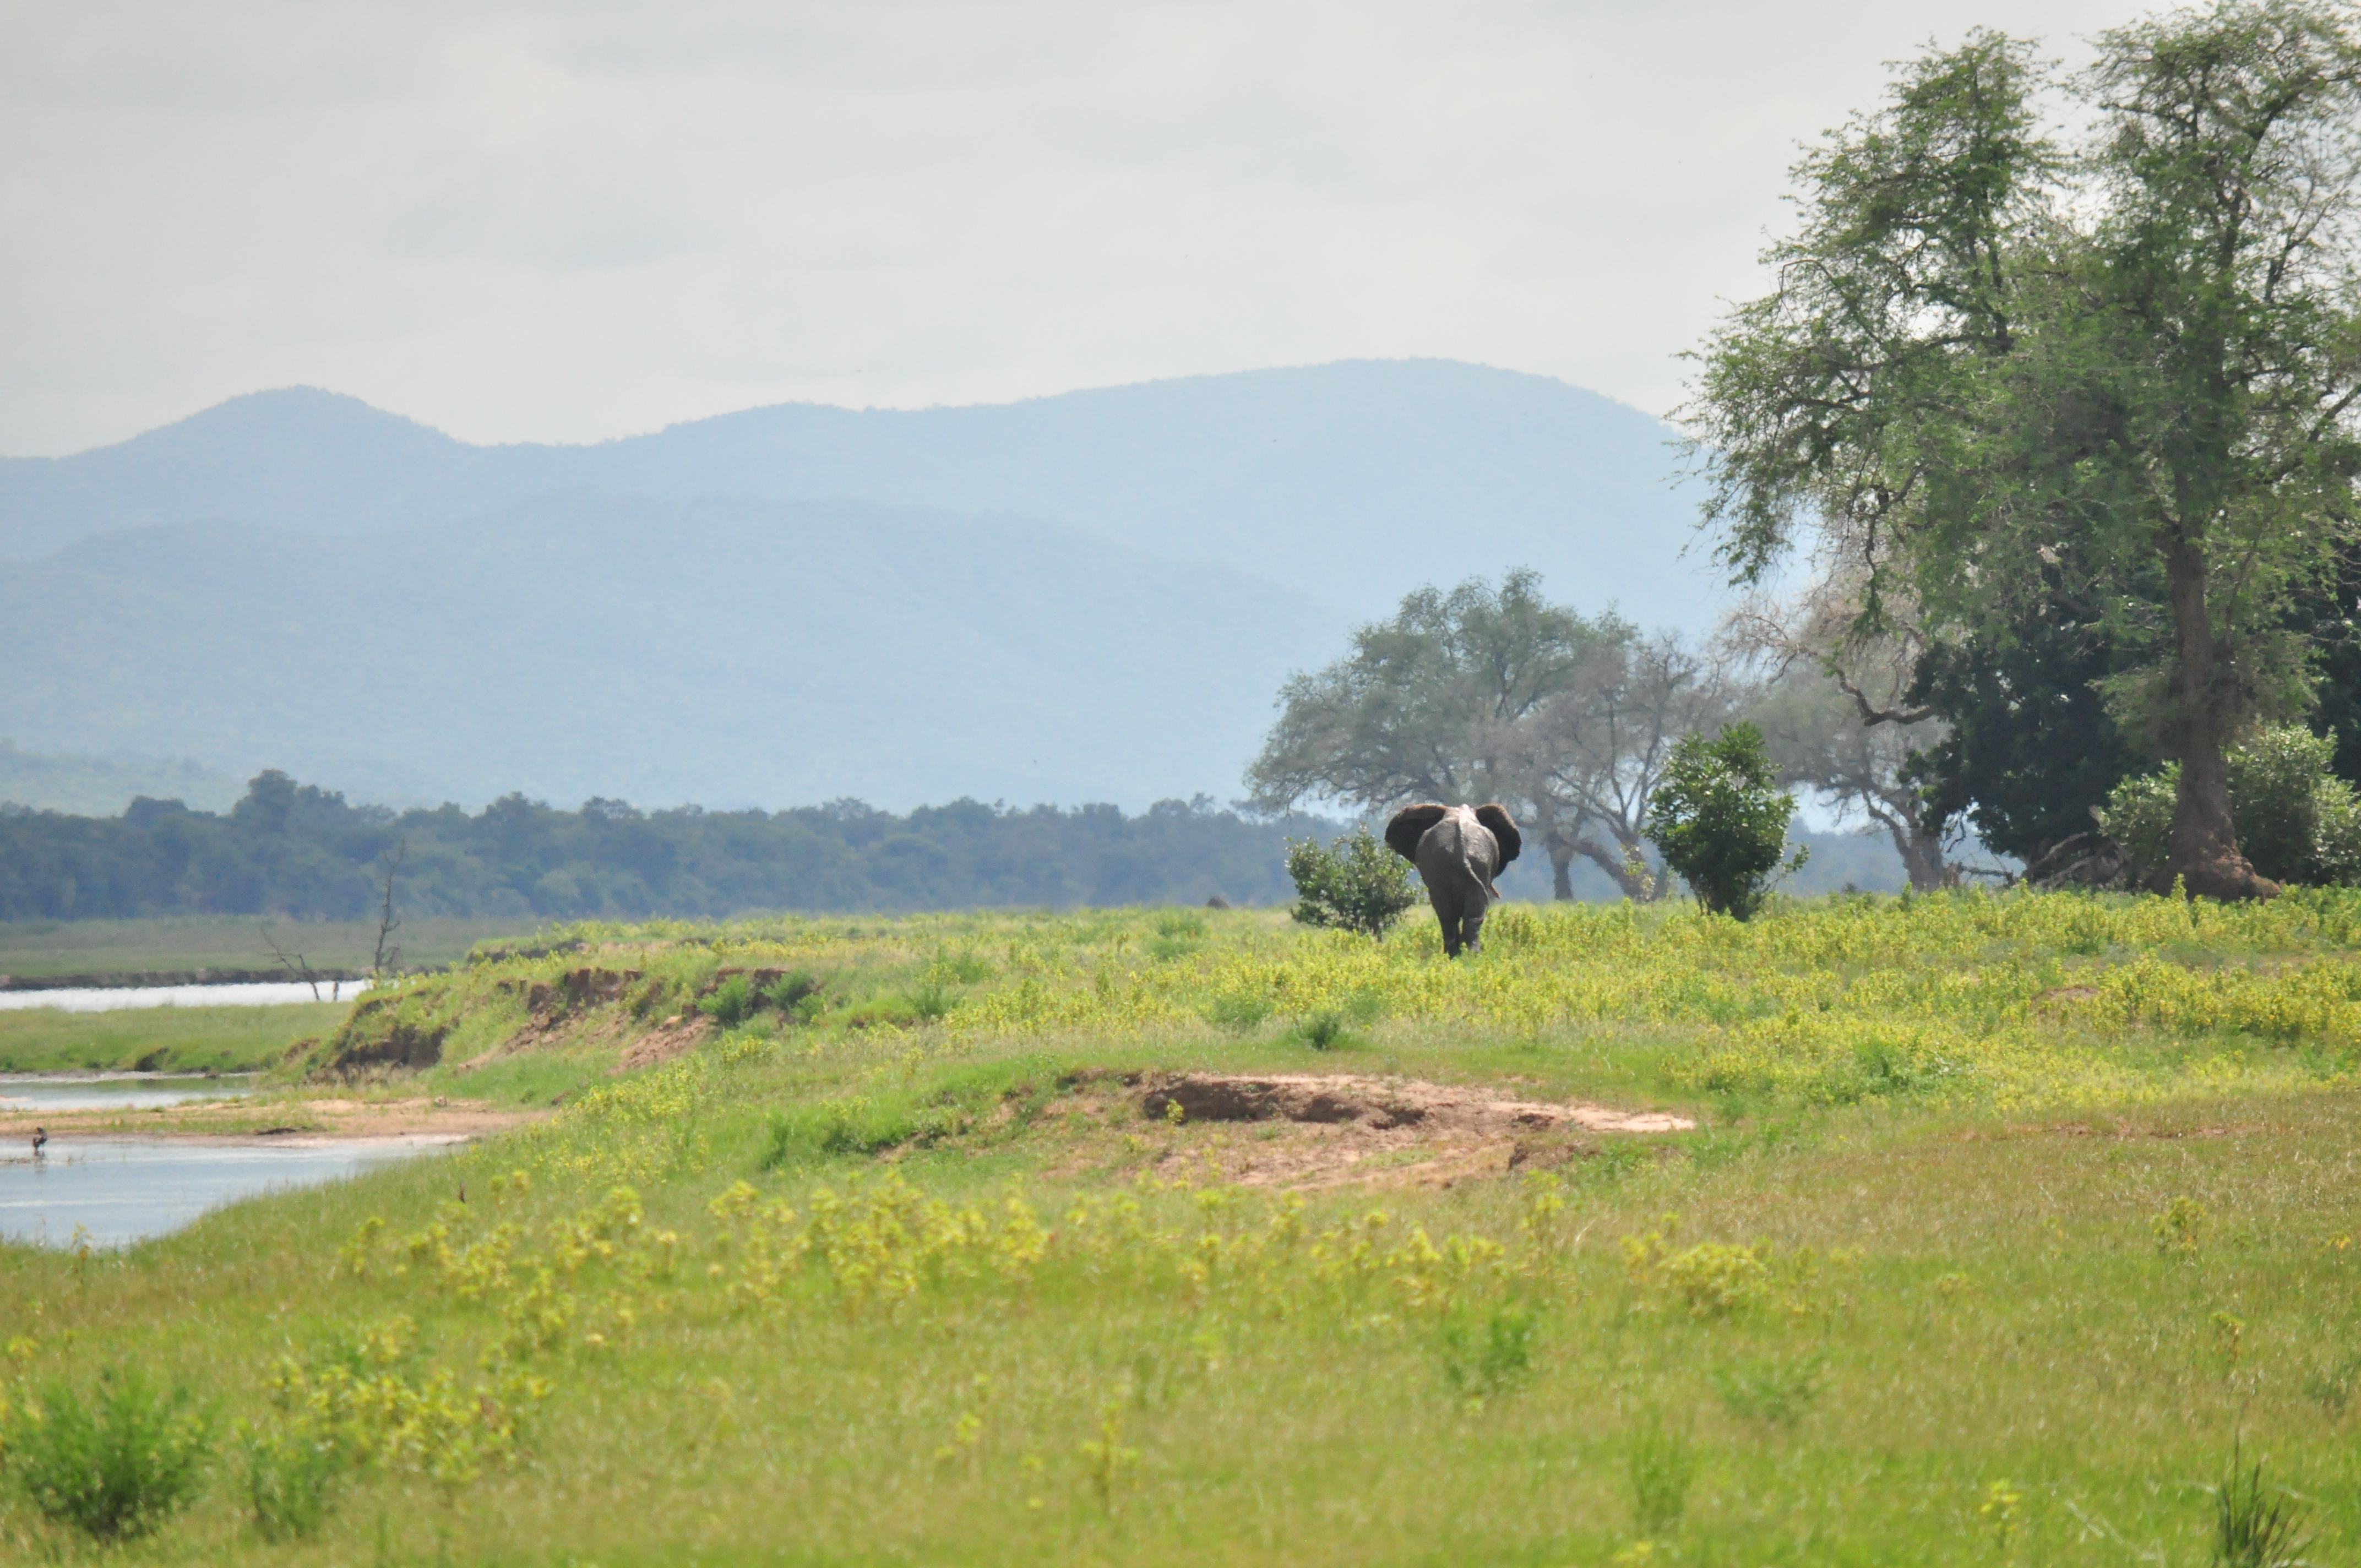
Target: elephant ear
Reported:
[(1410, 825), (1504, 832)]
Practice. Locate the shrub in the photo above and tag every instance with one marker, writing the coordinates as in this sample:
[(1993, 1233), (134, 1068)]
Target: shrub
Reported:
[(1354, 885), (2138, 817), (113, 1467), (2296, 821), (932, 1001), (1721, 821), (290, 1479), (730, 1003), (1323, 1031), (1716, 1278), (790, 993)]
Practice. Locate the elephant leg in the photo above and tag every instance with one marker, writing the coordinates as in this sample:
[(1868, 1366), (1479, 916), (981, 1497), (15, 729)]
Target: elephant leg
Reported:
[(1471, 923), (1447, 914)]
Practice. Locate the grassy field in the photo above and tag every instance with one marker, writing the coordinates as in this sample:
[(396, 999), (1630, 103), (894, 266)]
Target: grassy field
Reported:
[(2007, 1221), (35, 948), (161, 1039)]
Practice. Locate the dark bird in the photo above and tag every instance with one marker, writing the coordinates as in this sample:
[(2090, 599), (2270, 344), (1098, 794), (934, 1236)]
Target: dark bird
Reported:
[(40, 1142)]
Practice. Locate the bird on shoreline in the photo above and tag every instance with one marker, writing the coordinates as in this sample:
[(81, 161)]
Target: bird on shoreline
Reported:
[(40, 1142)]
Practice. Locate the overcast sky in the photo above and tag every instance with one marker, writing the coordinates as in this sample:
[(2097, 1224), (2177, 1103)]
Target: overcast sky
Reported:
[(575, 220)]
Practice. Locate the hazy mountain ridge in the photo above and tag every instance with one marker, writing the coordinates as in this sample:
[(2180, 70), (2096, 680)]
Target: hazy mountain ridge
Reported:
[(1350, 483), (726, 652), (102, 786), (1089, 597)]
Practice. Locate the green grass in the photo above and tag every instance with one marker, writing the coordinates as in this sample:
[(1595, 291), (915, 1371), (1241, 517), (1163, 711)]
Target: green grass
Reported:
[(161, 1039), (37, 949), (930, 1292)]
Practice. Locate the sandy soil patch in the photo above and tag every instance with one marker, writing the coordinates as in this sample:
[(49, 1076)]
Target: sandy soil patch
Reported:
[(673, 1037), (1308, 1132), (293, 1120)]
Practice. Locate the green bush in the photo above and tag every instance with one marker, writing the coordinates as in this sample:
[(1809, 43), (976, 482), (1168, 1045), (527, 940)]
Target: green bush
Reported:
[(1354, 885), (798, 997), (2296, 821), (730, 1003), (114, 1468), (290, 1479), (1323, 1031), (932, 1001), (1720, 819)]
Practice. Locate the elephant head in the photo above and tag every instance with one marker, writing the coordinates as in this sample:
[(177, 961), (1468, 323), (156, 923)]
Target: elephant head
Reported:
[(1457, 852)]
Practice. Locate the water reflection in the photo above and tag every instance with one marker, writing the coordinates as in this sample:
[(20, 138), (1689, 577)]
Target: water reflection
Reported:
[(114, 1191), (109, 999)]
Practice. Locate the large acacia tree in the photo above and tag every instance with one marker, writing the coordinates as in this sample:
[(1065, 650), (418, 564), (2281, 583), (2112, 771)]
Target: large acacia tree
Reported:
[(2130, 353)]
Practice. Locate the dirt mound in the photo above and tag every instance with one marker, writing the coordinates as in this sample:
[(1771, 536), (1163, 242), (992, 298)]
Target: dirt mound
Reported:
[(578, 988), (376, 1037), (673, 1037), (1381, 1104), (1313, 1131)]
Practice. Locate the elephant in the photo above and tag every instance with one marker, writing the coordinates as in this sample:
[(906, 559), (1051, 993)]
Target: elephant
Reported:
[(1457, 851)]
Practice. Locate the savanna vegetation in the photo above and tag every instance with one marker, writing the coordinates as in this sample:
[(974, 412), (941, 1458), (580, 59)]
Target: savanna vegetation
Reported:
[(2009, 1226), (1963, 1227)]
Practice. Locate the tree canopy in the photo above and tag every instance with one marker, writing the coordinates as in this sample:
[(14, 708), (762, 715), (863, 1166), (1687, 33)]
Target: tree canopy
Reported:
[(2119, 363), (299, 851)]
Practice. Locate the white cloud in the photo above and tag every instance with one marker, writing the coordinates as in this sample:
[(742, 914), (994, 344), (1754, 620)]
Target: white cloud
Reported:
[(563, 221)]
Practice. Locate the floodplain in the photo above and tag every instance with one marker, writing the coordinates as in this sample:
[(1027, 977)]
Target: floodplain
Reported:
[(1975, 1228)]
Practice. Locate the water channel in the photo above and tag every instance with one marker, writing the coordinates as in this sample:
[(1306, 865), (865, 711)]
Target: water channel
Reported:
[(112, 1192), (255, 994), (108, 1189)]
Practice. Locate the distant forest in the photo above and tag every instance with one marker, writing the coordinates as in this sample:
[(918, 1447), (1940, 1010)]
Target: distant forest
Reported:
[(304, 852)]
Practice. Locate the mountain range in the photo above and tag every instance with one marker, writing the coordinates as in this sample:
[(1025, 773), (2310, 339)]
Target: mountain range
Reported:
[(1091, 596)]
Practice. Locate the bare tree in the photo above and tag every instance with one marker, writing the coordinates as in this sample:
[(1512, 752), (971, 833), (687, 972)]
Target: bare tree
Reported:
[(388, 920), (1589, 759), (296, 964), (1834, 706)]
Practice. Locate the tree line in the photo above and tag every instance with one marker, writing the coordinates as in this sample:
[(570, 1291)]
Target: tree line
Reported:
[(306, 852), (2061, 418)]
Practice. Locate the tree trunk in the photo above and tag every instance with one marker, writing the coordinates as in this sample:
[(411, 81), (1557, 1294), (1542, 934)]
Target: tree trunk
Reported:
[(1561, 872), (1640, 889), (1922, 857), (2204, 853)]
